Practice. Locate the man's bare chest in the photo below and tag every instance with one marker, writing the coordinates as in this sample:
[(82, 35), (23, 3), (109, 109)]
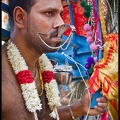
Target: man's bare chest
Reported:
[(16, 108)]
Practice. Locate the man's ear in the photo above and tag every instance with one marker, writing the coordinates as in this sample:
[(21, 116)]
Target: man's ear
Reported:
[(20, 17)]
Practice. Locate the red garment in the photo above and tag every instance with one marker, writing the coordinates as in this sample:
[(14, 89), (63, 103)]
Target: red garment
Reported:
[(104, 116), (79, 19)]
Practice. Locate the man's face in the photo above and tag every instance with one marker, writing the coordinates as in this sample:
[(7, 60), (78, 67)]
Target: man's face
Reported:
[(45, 17)]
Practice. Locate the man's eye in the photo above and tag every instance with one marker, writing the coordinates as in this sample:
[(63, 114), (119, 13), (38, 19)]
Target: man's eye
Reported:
[(49, 13)]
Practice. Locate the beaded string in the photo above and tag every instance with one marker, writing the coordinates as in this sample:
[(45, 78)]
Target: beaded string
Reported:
[(102, 20)]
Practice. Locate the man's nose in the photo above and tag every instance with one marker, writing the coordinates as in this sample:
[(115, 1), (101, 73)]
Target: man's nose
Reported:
[(58, 22)]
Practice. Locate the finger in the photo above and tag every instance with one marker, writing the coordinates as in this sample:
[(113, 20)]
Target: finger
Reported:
[(100, 110), (96, 111), (93, 112), (102, 100), (103, 105)]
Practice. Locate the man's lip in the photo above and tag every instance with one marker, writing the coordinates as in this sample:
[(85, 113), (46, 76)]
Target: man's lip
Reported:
[(55, 35), (52, 35), (57, 40)]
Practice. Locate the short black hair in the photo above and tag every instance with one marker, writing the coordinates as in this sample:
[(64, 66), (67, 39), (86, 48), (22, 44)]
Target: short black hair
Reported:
[(25, 4)]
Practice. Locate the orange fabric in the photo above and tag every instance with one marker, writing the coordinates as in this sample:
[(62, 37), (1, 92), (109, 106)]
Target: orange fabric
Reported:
[(79, 19), (105, 74), (113, 109)]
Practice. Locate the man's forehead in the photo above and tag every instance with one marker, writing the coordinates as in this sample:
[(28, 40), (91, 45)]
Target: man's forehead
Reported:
[(53, 4), (49, 2)]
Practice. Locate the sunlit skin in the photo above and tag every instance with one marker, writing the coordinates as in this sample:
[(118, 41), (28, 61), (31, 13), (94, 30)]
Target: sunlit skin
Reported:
[(45, 17)]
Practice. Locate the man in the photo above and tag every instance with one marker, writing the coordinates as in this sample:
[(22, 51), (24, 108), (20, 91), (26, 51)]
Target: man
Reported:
[(27, 18)]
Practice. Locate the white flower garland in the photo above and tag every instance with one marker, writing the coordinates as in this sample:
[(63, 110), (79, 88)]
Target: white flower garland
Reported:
[(29, 91)]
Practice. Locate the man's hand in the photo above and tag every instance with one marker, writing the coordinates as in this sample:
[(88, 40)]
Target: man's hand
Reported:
[(100, 108), (97, 110)]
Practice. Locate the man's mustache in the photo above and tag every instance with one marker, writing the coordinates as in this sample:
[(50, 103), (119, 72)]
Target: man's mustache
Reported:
[(58, 32)]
